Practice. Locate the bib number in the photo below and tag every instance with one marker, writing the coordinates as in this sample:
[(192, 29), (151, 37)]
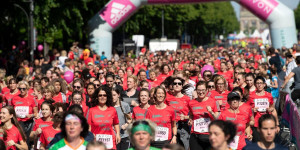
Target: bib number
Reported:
[(106, 139), (262, 104), (201, 125), (161, 134), (234, 144), (22, 111)]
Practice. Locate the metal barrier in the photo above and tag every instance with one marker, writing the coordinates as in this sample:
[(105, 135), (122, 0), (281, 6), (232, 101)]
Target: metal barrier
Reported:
[(291, 119)]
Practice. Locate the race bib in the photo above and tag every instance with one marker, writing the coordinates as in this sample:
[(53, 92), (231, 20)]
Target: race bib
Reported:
[(161, 134), (234, 144), (22, 111), (38, 145), (201, 125), (262, 104), (106, 139)]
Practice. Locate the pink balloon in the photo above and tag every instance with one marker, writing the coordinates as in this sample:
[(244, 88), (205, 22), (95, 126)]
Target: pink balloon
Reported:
[(207, 67), (40, 47), (69, 76)]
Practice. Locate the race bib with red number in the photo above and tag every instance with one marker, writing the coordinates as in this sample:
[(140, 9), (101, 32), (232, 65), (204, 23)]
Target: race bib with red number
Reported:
[(262, 104), (201, 125), (106, 139), (161, 134), (22, 111)]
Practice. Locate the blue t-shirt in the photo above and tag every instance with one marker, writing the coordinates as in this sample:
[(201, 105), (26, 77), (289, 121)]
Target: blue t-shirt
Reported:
[(275, 91), (254, 146)]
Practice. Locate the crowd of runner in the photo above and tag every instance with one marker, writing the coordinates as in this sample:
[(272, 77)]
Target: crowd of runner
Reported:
[(184, 95)]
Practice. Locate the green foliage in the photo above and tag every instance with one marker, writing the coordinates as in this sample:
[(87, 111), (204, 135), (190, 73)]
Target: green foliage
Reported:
[(297, 17), (201, 21), (59, 22)]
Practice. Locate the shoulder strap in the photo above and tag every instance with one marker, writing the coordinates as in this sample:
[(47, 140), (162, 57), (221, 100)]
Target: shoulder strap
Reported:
[(64, 98), (145, 113), (87, 114)]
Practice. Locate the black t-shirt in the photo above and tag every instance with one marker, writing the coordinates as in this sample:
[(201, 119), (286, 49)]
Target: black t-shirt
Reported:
[(254, 146), (276, 61)]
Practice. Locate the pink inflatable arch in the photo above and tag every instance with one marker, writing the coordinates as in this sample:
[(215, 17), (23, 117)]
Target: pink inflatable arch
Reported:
[(279, 17)]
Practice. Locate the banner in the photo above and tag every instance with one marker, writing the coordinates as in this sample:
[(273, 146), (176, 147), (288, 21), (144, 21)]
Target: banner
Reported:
[(291, 118)]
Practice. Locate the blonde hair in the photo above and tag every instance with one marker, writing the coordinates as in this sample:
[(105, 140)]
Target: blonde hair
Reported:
[(63, 53), (134, 78), (24, 83), (49, 88)]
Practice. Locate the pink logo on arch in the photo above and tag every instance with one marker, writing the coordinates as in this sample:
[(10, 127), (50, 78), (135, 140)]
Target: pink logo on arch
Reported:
[(261, 8), (116, 11)]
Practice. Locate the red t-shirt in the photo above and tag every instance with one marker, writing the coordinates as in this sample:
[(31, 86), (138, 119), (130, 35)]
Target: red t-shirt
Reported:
[(240, 119), (47, 135), (162, 77), (227, 75), (40, 102), (138, 113), (23, 106), (102, 123), (5, 90), (259, 100), (180, 105), (8, 97), (198, 110), (217, 64), (220, 98), (59, 98), (153, 84), (40, 123), (194, 78), (162, 117), (12, 134)]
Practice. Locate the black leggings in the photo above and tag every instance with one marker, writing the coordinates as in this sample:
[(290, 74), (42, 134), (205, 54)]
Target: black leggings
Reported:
[(295, 94), (199, 142), (124, 144), (160, 144)]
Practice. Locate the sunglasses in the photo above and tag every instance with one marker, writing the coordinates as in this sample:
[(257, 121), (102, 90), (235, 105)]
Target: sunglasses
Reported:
[(210, 86), (177, 83), (118, 83), (102, 95), (22, 89), (207, 75), (97, 85), (76, 87), (101, 72), (140, 122)]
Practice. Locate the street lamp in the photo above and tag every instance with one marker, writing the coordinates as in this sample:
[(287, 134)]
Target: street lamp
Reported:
[(27, 17), (31, 25)]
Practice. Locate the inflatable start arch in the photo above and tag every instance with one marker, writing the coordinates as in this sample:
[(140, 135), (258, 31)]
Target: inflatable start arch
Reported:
[(279, 17)]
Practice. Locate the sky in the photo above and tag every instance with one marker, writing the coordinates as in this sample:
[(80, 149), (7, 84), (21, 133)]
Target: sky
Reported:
[(290, 3)]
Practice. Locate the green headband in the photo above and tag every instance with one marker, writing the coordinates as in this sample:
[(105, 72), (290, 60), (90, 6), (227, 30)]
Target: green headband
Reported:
[(141, 127)]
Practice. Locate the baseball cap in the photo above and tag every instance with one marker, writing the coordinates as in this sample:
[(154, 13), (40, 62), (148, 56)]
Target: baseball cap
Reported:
[(233, 96)]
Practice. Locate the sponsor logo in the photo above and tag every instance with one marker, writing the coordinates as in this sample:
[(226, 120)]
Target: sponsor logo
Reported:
[(229, 118), (99, 116), (156, 116), (43, 125), (173, 102), (217, 97), (196, 108), (116, 11), (139, 114), (19, 102)]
